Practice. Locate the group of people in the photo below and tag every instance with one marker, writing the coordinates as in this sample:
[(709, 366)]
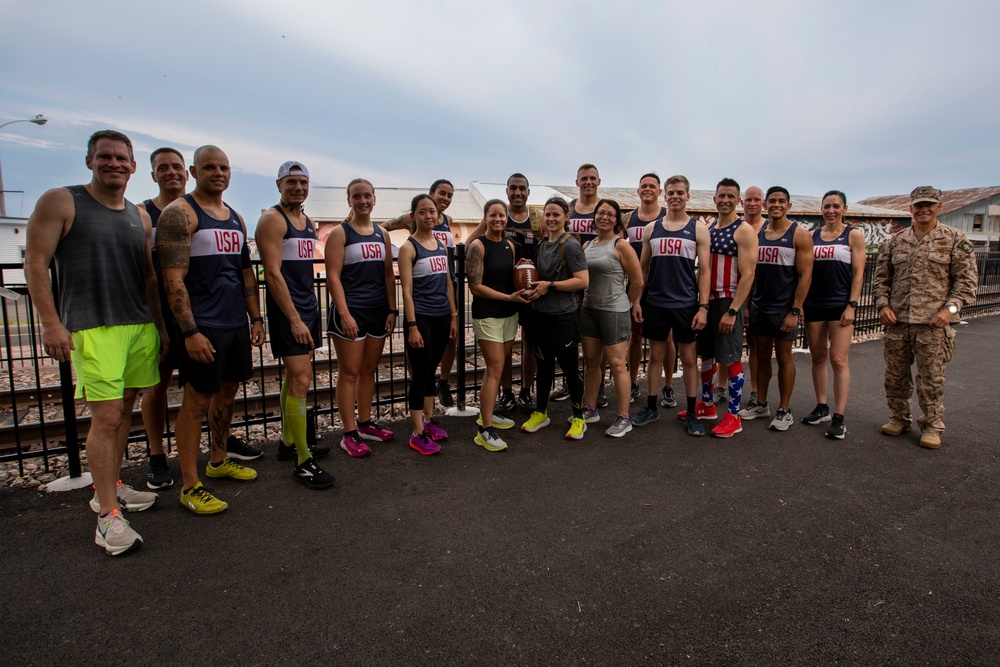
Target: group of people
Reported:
[(168, 284)]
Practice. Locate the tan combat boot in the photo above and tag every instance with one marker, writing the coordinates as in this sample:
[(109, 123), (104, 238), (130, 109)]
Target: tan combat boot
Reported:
[(895, 427), (931, 440)]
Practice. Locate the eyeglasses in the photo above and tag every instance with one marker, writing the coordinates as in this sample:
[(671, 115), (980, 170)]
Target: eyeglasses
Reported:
[(606, 214)]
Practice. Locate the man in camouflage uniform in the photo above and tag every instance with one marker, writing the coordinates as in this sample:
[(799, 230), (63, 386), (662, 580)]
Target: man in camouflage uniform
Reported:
[(924, 275)]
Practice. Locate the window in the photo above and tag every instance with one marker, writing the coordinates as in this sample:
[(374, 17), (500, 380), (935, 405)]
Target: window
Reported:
[(977, 223)]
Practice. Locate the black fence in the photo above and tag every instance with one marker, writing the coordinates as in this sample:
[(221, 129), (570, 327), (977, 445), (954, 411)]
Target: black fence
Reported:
[(39, 417)]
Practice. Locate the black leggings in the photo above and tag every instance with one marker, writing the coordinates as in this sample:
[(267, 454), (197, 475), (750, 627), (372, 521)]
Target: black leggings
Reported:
[(424, 360), (557, 338)]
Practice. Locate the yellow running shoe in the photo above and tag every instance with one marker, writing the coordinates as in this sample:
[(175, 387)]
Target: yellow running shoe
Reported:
[(200, 501), (577, 428), (536, 422), (232, 469)]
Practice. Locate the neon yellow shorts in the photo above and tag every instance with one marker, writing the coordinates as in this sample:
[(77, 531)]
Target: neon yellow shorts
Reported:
[(496, 329), (108, 360)]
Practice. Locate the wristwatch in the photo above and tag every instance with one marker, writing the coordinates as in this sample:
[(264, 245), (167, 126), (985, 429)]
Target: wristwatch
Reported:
[(703, 305), (732, 312), (795, 311), (952, 309), (190, 332), (852, 304), (256, 319)]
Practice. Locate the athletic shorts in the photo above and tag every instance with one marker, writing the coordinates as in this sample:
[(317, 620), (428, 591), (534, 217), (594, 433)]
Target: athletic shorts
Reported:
[(554, 330), (495, 329), (817, 314), (524, 314), (371, 322), (658, 323), (762, 324), (232, 360), (724, 348), (280, 333), (109, 360), (609, 326)]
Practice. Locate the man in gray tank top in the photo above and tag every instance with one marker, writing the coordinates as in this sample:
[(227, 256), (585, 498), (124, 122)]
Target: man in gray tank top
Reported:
[(108, 321)]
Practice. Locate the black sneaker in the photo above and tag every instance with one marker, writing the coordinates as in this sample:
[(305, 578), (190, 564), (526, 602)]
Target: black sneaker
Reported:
[(560, 394), (159, 475), (443, 392), (821, 413), (838, 429), (635, 393), (667, 399), (506, 404), (243, 451), (602, 398), (312, 475), (289, 453), (525, 403)]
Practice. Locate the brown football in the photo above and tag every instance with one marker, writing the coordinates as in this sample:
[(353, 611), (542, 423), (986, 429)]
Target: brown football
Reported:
[(525, 275)]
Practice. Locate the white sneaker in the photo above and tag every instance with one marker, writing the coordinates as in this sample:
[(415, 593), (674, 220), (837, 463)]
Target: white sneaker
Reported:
[(754, 410), (489, 439), (621, 426), (128, 499), (721, 395), (589, 417), (782, 420), (499, 421), (115, 535)]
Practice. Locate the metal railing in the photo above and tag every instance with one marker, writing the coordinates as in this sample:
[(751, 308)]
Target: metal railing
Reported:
[(39, 417)]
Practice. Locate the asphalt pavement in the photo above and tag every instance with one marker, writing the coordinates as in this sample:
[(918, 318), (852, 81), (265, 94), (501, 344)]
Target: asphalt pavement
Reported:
[(658, 548)]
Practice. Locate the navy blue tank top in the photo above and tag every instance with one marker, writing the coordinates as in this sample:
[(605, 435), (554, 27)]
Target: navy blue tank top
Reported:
[(523, 236), (214, 278), (776, 278), (832, 274), (635, 228), (442, 231), (297, 251), (430, 280), (363, 273), (672, 280), (581, 224)]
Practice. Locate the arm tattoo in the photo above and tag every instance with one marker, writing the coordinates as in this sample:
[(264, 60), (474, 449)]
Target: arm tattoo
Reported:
[(474, 264), (173, 243), (250, 291)]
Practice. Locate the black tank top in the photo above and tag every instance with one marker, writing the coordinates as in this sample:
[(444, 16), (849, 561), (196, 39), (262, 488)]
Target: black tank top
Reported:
[(101, 265), (498, 274)]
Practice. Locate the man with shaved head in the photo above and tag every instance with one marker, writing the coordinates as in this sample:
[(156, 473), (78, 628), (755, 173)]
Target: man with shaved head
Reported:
[(211, 287), (753, 215)]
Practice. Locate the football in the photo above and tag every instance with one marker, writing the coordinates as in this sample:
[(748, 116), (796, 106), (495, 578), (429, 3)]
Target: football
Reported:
[(525, 275)]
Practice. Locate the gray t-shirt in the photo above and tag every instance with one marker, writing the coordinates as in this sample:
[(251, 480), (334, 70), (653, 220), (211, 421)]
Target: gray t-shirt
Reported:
[(550, 267)]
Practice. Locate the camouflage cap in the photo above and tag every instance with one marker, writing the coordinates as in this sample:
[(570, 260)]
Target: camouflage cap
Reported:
[(925, 193)]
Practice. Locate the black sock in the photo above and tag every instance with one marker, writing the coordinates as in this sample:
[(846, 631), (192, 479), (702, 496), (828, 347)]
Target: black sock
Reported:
[(692, 402), (159, 458), (365, 423), (651, 402)]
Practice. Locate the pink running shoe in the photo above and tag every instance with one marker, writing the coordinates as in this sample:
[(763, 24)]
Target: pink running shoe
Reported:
[(354, 446), (423, 444), (434, 431), (373, 432)]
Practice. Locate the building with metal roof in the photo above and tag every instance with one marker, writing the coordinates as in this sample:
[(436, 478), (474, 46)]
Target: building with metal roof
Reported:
[(974, 211)]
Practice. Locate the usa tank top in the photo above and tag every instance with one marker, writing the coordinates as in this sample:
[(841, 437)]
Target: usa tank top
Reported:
[(672, 280), (832, 273), (430, 280), (776, 277), (297, 251), (581, 224), (635, 228), (214, 279), (363, 273)]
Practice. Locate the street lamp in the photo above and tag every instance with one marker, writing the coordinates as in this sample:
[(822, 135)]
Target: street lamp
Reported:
[(37, 120)]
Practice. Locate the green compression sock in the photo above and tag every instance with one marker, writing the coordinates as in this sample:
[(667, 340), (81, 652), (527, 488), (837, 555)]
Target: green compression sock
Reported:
[(295, 417), (286, 431)]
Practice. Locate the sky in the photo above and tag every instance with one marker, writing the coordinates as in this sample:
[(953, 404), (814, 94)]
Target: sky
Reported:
[(872, 98)]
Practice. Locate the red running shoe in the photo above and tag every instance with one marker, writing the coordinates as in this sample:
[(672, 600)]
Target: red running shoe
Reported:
[(729, 426)]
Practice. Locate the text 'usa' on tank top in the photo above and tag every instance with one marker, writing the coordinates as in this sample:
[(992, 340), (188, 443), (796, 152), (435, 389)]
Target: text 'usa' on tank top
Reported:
[(430, 280), (298, 249), (214, 279), (672, 280), (776, 277), (363, 273), (832, 273)]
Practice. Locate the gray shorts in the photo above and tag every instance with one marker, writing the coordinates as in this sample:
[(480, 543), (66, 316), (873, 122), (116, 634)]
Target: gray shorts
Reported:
[(612, 328), (725, 348)]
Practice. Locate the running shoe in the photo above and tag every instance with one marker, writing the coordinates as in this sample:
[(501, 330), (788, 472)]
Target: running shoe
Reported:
[(837, 429), (312, 475), (621, 426), (422, 443), (667, 399), (782, 420), (589, 416), (647, 415), (821, 413), (231, 469), (240, 450), (577, 428), (499, 421), (525, 403), (536, 422), (443, 392), (434, 430), (729, 426), (602, 398), (754, 410), (200, 501), (721, 395), (635, 395), (702, 410), (159, 475), (290, 453), (694, 426), (560, 394), (354, 446), (128, 499), (507, 403), (489, 439), (115, 534), (374, 433)]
